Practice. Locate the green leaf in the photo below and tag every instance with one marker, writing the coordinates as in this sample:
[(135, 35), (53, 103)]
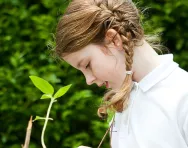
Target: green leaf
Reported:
[(42, 85), (41, 118), (46, 96), (62, 91)]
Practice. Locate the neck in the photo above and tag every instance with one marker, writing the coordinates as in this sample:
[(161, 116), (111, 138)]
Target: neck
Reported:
[(145, 60)]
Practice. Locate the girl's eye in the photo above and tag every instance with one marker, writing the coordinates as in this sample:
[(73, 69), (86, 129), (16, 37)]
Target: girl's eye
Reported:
[(87, 66)]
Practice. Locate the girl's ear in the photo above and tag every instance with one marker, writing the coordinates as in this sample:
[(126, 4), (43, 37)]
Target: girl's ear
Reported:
[(112, 37)]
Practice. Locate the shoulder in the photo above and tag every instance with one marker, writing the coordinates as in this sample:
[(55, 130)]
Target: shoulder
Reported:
[(170, 93), (173, 86), (182, 116), (178, 78), (180, 75)]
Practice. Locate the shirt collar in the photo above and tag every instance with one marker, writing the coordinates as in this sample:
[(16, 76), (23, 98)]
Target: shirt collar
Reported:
[(166, 67)]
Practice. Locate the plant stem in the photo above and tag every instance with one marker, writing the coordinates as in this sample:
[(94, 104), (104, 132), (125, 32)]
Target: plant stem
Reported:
[(28, 134), (46, 121)]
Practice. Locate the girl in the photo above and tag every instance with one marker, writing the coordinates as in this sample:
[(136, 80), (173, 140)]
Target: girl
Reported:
[(104, 39)]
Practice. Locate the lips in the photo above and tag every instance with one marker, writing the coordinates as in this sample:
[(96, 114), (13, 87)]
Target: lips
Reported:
[(106, 83)]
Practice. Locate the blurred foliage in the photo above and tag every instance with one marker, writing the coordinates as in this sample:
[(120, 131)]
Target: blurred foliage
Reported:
[(26, 31), (169, 19)]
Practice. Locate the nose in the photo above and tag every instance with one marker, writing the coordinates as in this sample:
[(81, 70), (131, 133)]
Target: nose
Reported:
[(90, 79)]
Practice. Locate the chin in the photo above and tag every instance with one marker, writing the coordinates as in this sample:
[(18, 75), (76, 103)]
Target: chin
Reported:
[(114, 88)]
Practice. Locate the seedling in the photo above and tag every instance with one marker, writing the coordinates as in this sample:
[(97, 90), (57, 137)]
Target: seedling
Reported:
[(48, 91)]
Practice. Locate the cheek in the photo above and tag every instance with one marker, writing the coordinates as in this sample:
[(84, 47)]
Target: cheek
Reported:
[(117, 71), (101, 70), (106, 70)]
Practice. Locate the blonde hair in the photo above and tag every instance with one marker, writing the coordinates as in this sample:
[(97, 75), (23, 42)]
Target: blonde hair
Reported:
[(87, 21)]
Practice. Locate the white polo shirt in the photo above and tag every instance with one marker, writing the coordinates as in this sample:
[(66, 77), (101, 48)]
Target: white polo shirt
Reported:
[(157, 116)]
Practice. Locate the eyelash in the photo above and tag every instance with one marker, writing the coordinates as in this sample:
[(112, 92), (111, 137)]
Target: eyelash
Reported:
[(87, 65)]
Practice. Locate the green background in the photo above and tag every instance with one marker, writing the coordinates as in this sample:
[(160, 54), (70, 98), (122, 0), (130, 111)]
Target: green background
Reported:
[(26, 35)]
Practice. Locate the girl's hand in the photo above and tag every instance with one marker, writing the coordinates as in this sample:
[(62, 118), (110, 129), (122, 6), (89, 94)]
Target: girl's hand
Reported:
[(84, 147)]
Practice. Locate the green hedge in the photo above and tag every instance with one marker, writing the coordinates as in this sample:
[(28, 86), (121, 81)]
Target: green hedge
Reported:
[(26, 31)]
